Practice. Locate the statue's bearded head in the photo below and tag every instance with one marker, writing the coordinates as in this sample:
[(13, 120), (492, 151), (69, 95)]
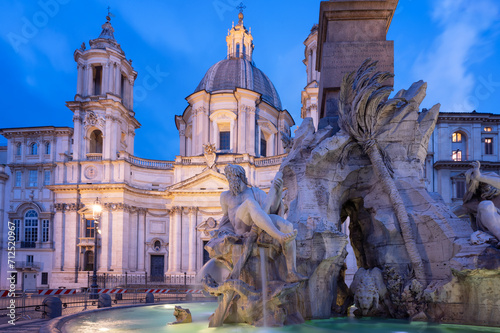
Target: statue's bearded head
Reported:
[(236, 177)]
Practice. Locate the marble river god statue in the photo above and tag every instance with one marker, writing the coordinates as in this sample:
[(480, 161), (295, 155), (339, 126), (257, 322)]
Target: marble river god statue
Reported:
[(482, 198), (252, 237)]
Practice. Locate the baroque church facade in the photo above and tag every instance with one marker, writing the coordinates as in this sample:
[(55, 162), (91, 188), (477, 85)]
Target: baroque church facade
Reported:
[(157, 215)]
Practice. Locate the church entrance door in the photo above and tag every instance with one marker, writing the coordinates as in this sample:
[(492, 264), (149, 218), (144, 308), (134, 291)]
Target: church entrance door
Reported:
[(157, 268)]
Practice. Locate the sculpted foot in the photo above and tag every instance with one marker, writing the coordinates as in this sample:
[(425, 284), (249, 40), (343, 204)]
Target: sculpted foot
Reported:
[(287, 238)]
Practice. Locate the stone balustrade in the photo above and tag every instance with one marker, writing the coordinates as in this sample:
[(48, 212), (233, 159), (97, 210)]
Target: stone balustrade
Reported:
[(155, 164), (94, 156)]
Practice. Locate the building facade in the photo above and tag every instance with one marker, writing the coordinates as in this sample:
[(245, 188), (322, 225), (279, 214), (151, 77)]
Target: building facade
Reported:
[(156, 215), (459, 139)]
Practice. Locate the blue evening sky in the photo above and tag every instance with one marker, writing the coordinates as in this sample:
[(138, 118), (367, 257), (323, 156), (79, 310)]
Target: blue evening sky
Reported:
[(451, 44)]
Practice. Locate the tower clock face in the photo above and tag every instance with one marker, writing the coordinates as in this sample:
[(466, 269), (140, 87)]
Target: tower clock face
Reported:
[(90, 172)]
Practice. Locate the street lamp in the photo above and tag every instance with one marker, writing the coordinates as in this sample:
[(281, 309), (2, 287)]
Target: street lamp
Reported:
[(96, 214)]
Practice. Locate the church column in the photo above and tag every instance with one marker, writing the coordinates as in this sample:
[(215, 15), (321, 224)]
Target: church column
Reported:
[(105, 78), (140, 245), (106, 142), (115, 130), (85, 79), (233, 136), (242, 135), (182, 140), (90, 77), (58, 226), (171, 240), (194, 131), (70, 237), (131, 94), (251, 132), (79, 81), (77, 121), (215, 134), (178, 241), (119, 261), (117, 79), (273, 145), (192, 240), (103, 262)]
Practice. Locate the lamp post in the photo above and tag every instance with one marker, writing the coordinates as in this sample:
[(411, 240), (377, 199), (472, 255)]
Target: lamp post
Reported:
[(96, 214)]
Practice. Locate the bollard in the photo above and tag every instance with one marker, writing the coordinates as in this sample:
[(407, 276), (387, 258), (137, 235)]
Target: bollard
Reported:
[(104, 301), (150, 298), (53, 306)]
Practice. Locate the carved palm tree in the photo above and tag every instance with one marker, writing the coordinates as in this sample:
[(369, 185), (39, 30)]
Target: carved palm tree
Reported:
[(364, 112)]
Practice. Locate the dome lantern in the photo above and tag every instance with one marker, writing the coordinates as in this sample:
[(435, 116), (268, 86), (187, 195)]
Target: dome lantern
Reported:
[(239, 40)]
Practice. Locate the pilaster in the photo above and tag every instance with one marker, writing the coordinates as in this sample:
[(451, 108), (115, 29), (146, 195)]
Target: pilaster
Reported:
[(192, 240)]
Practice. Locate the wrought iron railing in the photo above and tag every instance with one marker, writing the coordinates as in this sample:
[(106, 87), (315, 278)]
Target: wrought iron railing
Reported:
[(27, 245)]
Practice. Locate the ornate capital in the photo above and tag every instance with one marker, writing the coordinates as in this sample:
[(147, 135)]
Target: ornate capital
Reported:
[(77, 118), (201, 110), (248, 108), (175, 210), (60, 207)]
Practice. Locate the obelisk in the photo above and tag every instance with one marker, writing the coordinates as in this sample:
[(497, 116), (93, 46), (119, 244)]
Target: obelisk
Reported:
[(350, 31)]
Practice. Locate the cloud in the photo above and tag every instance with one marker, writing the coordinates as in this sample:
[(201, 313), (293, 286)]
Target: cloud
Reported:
[(158, 25), (445, 64)]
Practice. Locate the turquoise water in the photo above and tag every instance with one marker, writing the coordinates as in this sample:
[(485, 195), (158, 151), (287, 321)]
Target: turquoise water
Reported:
[(154, 318)]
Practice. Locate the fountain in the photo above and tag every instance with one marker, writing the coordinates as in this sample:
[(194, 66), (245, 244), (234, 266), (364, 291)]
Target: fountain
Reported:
[(414, 256)]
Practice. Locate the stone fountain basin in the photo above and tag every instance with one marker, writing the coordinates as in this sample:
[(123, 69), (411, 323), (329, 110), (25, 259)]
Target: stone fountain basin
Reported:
[(154, 318)]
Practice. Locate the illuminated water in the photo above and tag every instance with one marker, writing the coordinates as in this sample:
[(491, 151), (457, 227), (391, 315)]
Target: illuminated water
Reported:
[(154, 318)]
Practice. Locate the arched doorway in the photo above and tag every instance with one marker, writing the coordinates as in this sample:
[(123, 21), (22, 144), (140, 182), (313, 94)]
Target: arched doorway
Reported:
[(95, 142), (88, 260)]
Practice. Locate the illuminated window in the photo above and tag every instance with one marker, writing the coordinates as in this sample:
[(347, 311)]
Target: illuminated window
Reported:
[(488, 146), (89, 228), (456, 155), (224, 140), (487, 129), (456, 137)]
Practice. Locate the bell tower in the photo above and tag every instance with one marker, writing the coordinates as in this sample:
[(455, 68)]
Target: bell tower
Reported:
[(104, 120)]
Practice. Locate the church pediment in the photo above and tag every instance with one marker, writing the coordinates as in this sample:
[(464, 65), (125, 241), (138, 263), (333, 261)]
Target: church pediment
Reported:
[(208, 180)]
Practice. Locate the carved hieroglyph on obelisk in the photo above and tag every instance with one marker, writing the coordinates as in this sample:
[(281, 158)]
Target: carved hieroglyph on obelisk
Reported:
[(350, 31)]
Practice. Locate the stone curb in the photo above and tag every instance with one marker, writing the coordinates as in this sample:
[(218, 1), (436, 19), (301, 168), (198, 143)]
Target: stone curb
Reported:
[(55, 325)]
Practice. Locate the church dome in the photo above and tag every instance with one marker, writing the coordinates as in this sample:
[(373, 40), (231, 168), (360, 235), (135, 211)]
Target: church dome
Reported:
[(232, 73)]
